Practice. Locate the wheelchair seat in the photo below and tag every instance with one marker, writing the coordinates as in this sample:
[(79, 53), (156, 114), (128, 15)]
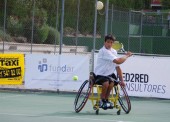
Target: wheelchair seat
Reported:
[(93, 78)]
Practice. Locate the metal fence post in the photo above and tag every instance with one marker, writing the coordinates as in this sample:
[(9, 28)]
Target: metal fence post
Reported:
[(140, 36), (4, 26), (94, 34), (129, 21), (61, 29), (32, 31), (57, 4), (77, 26), (111, 24), (106, 17)]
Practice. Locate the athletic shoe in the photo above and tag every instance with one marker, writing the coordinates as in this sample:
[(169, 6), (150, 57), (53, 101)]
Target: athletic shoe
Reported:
[(102, 104), (109, 104)]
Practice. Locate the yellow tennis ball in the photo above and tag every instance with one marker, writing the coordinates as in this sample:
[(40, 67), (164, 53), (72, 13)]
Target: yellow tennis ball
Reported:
[(75, 77)]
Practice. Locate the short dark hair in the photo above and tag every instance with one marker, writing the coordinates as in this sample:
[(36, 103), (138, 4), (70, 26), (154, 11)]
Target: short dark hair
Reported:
[(109, 36)]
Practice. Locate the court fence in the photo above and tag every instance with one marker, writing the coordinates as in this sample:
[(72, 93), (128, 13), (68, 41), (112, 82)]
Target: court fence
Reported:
[(71, 27)]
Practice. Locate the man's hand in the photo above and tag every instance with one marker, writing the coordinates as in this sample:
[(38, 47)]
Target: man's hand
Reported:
[(129, 53), (122, 83)]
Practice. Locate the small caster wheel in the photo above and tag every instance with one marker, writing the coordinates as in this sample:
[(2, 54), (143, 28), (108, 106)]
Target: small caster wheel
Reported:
[(117, 106), (94, 107), (118, 112), (97, 111)]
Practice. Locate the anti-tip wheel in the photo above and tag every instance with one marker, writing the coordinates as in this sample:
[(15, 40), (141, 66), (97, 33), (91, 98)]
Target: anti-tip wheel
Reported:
[(118, 112), (97, 111), (95, 107)]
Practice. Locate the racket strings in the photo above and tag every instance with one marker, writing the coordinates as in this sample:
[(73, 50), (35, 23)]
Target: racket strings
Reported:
[(118, 46)]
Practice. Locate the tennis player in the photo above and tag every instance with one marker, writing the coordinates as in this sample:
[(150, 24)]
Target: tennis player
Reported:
[(107, 64)]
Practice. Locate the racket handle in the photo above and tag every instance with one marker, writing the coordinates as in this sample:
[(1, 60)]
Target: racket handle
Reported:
[(123, 50)]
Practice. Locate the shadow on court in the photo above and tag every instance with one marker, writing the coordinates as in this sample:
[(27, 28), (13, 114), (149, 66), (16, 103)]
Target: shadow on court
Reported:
[(54, 107)]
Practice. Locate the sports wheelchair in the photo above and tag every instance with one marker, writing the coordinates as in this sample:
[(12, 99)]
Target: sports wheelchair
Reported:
[(87, 91)]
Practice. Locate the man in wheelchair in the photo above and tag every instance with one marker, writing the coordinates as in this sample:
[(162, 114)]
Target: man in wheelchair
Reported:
[(107, 64)]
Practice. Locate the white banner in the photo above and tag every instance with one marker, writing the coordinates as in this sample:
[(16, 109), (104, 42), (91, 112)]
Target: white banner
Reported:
[(51, 72), (147, 76)]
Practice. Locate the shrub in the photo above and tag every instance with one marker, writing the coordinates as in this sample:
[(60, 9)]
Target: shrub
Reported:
[(40, 31), (52, 35), (40, 34), (14, 27), (5, 37), (43, 33)]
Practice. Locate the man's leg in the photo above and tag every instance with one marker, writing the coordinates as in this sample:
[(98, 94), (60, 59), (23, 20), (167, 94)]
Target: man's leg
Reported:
[(109, 104), (105, 87), (102, 102), (110, 87)]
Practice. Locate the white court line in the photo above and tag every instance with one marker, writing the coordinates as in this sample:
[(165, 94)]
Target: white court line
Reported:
[(103, 120), (64, 117), (12, 96), (12, 114)]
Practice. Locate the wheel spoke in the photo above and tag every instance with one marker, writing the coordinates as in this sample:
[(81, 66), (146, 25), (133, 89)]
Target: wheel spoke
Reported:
[(124, 100), (82, 96)]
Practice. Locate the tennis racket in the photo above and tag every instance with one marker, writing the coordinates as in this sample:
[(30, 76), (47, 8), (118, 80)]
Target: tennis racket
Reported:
[(118, 46)]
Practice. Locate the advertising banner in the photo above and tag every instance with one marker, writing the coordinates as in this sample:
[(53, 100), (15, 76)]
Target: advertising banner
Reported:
[(51, 72), (147, 76), (11, 69)]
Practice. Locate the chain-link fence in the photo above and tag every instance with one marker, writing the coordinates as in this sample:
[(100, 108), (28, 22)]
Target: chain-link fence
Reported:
[(68, 26), (142, 31), (43, 26)]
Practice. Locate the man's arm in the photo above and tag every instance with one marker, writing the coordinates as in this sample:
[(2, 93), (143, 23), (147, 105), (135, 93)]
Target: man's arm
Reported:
[(122, 59), (120, 74)]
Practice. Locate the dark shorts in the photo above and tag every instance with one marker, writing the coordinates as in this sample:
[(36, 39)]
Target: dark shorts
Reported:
[(101, 79)]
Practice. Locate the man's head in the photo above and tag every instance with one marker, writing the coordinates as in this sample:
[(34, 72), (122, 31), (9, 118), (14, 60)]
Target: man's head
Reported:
[(109, 40)]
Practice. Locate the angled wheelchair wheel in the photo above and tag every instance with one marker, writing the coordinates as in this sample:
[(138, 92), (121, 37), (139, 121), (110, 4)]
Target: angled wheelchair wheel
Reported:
[(82, 96), (124, 99)]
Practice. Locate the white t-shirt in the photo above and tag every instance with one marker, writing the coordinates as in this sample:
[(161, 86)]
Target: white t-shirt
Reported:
[(105, 65)]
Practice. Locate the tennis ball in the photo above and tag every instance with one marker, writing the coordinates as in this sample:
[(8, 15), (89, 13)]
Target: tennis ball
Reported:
[(75, 77), (99, 5)]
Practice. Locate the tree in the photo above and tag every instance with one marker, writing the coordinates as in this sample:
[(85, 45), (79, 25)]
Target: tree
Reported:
[(166, 4)]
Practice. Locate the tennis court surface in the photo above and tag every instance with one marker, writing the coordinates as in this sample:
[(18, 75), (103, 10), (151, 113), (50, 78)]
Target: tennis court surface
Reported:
[(58, 107)]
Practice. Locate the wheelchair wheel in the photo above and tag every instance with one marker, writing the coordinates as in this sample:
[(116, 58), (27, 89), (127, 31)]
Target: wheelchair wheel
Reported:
[(82, 95), (124, 99)]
